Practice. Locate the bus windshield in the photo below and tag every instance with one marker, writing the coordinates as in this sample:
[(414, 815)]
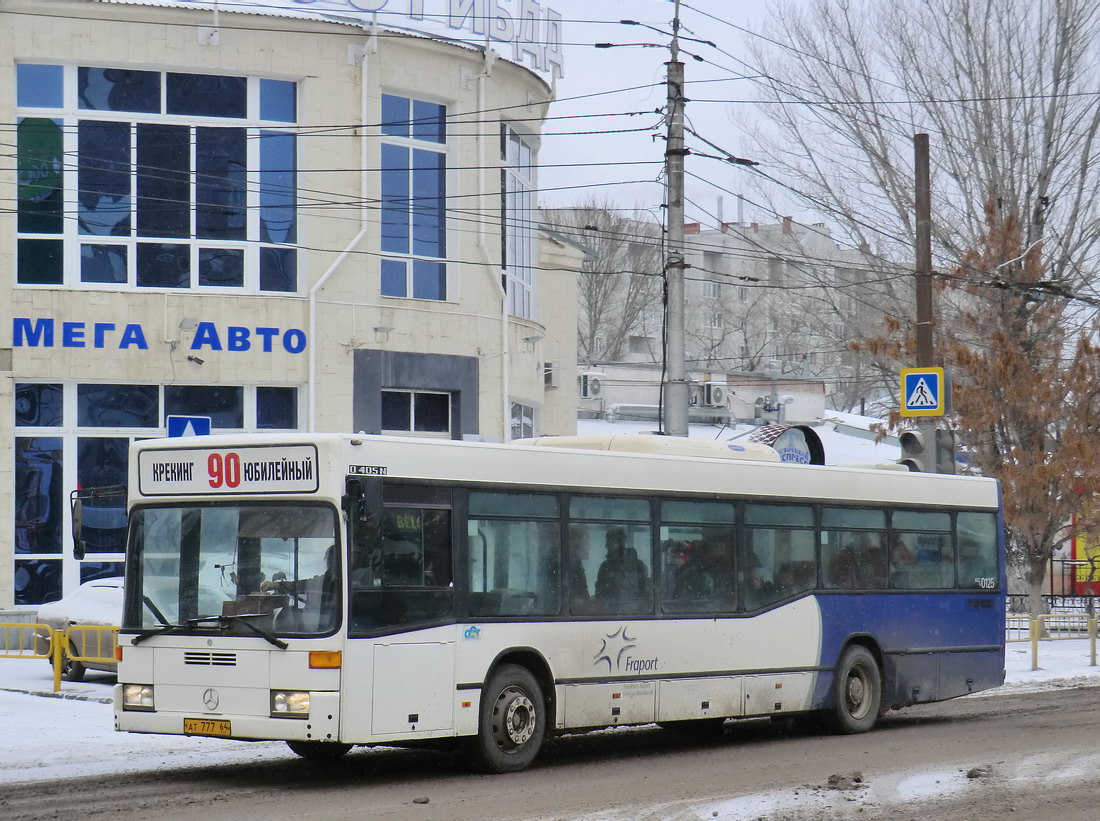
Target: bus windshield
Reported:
[(236, 568)]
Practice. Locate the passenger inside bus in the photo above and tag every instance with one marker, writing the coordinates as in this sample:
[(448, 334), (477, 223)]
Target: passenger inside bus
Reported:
[(705, 574), (623, 575), (578, 555)]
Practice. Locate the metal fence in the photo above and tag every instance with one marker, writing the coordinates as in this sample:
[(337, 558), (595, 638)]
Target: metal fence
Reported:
[(1052, 627), (85, 643)]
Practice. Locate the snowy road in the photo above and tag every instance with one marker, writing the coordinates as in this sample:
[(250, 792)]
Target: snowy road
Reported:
[(1029, 752)]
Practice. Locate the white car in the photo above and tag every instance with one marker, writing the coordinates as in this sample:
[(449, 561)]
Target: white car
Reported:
[(98, 602)]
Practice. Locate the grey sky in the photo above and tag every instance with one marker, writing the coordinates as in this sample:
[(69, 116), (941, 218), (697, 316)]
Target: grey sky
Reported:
[(630, 78)]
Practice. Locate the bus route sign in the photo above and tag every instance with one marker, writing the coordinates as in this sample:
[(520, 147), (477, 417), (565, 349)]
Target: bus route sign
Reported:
[(922, 391), (252, 469)]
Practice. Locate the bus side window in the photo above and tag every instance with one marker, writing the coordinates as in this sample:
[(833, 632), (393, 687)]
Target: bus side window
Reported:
[(977, 545), (514, 556)]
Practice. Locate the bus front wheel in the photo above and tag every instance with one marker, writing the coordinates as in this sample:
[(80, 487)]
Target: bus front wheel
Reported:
[(512, 725), (858, 691)]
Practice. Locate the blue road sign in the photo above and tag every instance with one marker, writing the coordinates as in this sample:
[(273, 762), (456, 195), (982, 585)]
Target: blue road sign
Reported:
[(188, 425), (922, 391)]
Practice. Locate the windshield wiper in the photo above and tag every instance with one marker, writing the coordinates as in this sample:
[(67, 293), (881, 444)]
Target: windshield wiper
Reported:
[(243, 619), (165, 625), (155, 631)]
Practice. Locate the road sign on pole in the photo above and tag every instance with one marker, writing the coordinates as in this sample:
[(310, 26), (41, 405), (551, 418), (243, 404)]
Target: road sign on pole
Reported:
[(922, 391), (188, 426)]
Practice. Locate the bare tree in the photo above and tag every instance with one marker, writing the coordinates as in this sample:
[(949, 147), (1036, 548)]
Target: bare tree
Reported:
[(1029, 401), (620, 285), (1006, 88), (1007, 91)]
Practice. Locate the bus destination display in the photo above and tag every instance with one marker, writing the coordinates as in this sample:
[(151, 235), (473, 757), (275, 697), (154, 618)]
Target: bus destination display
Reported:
[(199, 471)]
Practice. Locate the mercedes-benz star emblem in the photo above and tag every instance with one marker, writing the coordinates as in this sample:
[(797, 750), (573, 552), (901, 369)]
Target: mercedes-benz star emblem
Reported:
[(210, 698)]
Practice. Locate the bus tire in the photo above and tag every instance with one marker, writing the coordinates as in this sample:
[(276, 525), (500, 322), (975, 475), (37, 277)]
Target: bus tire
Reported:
[(319, 750), (512, 724), (858, 695)]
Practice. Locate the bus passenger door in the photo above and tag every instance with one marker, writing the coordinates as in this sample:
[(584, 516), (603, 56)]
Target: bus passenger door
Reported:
[(413, 688)]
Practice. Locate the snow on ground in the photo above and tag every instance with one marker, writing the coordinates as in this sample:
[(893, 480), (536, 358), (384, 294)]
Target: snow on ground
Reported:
[(70, 734)]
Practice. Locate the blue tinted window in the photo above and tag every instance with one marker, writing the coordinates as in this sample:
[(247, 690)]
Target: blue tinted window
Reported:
[(278, 101), (278, 268), (90, 571), (429, 192), (40, 261), (39, 86), (103, 263), (103, 178), (38, 405), (221, 172), (395, 115), (38, 494), (163, 180), (37, 582), (39, 166), (207, 95), (163, 266), (278, 196), (429, 279), (118, 89), (221, 267), (395, 199), (117, 406), (223, 404), (101, 462), (277, 408), (394, 278), (429, 122)]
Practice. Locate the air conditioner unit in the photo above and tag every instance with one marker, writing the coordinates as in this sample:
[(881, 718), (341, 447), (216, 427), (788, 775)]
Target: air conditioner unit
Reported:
[(590, 385), (714, 394)]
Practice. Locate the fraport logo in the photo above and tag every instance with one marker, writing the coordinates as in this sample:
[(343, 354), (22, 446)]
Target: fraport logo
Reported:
[(615, 653), (472, 632)]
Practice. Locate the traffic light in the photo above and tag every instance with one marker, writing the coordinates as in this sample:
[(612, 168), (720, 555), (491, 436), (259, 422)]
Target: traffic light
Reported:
[(923, 456), (915, 453), (945, 451)]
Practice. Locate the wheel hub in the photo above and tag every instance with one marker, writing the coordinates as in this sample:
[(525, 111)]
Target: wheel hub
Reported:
[(519, 720), (514, 720)]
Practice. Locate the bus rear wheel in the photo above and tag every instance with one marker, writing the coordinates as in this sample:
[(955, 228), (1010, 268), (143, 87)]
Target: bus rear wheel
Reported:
[(318, 750), (512, 724), (858, 692)]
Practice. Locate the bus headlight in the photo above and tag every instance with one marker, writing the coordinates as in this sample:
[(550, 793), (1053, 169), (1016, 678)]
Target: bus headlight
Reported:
[(137, 697), (290, 703)]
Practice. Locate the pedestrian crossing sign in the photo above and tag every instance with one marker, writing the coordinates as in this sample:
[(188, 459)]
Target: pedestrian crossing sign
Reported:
[(922, 391)]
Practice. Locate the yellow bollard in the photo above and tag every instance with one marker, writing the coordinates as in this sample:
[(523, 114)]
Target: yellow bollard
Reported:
[(1036, 626), (57, 650)]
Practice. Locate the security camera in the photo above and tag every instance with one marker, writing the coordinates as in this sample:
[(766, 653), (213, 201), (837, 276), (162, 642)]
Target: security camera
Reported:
[(195, 359), (786, 399)]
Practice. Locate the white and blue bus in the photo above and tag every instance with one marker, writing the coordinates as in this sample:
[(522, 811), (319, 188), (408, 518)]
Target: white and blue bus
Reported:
[(341, 590)]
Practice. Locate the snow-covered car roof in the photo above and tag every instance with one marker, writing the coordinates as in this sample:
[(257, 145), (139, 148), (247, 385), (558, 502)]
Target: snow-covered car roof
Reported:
[(95, 602)]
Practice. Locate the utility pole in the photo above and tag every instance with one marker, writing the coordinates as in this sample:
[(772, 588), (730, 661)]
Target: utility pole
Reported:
[(677, 393), (940, 444), (923, 271)]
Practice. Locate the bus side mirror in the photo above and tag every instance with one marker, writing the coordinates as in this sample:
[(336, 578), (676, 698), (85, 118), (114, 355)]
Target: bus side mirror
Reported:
[(78, 520)]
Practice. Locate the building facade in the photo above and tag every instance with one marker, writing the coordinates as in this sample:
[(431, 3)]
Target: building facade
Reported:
[(289, 216)]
